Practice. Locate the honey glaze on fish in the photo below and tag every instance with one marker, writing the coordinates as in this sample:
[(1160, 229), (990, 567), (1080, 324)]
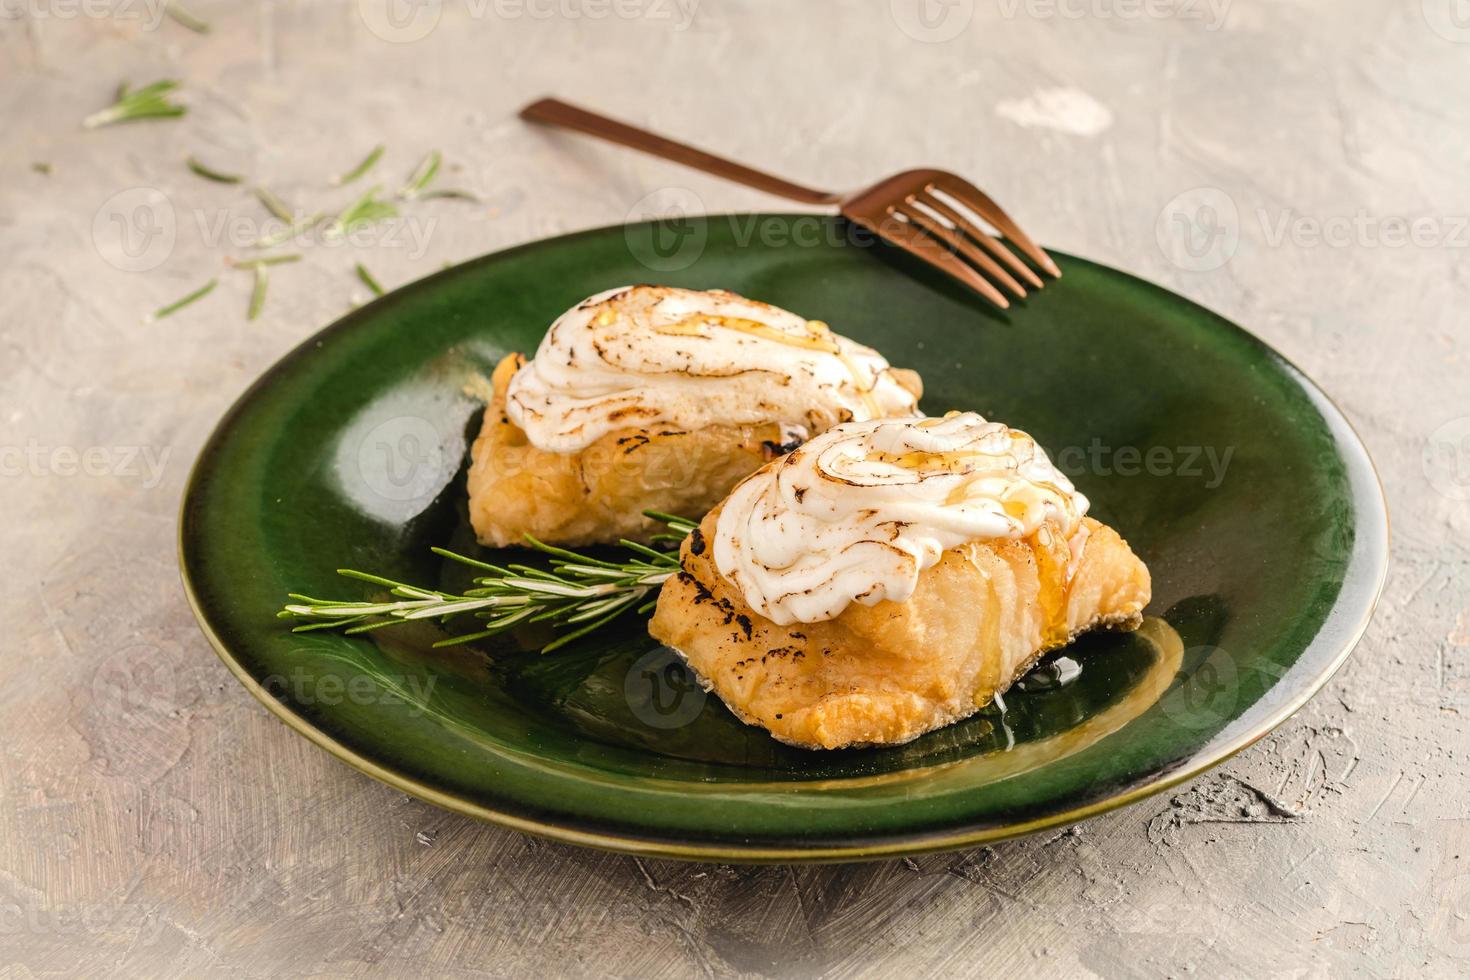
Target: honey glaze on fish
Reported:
[(856, 515), (654, 355)]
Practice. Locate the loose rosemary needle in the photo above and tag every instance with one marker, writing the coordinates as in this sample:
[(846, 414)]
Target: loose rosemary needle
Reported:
[(148, 102), (209, 173), (368, 280), (579, 592), (360, 169), (184, 18), (257, 292), (179, 304), (421, 176)]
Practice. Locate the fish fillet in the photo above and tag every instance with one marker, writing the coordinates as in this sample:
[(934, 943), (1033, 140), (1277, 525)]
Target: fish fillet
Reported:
[(888, 673)]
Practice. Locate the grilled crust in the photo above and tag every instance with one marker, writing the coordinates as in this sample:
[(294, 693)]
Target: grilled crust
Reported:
[(598, 495), (886, 674)]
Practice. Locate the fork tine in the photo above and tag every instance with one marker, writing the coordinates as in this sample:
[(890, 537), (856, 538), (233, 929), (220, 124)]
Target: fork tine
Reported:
[(955, 240), (909, 238), (973, 230), (978, 201)]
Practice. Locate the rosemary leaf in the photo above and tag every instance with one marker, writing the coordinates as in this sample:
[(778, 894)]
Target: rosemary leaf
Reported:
[(148, 102), (179, 304), (368, 280), (362, 168), (450, 193), (257, 293), (185, 19), (421, 176), (264, 260), (275, 205), (209, 173)]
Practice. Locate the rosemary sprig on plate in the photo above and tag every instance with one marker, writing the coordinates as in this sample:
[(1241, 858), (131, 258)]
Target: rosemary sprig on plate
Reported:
[(148, 102), (579, 592)]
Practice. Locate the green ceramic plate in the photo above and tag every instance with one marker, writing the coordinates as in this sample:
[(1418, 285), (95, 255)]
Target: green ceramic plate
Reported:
[(1240, 485)]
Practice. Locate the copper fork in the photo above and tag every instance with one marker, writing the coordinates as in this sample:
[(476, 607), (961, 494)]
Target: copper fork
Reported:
[(920, 211)]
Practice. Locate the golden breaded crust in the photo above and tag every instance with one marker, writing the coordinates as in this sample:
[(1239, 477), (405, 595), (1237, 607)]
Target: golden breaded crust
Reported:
[(599, 494), (885, 674)]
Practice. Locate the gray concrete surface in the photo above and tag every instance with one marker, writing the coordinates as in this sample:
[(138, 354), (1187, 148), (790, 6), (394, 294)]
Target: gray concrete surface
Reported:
[(1299, 165)]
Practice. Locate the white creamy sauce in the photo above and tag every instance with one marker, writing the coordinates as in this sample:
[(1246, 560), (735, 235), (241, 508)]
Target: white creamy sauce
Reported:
[(654, 355), (858, 512)]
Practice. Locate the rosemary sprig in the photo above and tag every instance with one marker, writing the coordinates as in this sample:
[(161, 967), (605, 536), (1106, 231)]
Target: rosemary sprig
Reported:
[(580, 592), (364, 211), (184, 18), (362, 168), (148, 102), (179, 304), (209, 173), (368, 280)]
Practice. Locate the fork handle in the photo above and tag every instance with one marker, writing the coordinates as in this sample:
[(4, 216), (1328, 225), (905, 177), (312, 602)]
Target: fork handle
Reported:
[(558, 113)]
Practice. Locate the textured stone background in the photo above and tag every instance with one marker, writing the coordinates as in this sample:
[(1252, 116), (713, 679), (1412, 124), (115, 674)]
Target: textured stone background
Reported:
[(156, 821)]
